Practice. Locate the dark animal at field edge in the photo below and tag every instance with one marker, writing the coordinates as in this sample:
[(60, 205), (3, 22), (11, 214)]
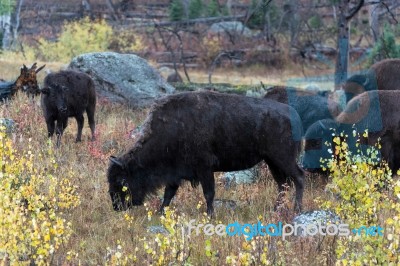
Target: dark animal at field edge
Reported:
[(383, 75), (26, 82), (68, 94), (310, 105), (375, 111), (174, 78), (191, 135)]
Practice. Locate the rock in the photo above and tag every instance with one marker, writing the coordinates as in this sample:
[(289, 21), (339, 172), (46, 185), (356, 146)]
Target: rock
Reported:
[(124, 78), (312, 87), (224, 203), (166, 71), (9, 125), (256, 93), (230, 27), (322, 217), (245, 176), (157, 230)]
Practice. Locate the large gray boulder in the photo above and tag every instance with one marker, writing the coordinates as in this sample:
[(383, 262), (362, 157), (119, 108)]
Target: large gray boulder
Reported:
[(124, 78), (230, 27)]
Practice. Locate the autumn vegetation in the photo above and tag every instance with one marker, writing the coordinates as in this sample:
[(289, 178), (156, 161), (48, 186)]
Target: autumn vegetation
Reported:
[(55, 207)]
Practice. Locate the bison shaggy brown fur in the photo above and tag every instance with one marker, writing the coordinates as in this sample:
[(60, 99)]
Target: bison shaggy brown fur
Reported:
[(68, 94), (194, 134), (383, 75), (310, 105), (375, 111)]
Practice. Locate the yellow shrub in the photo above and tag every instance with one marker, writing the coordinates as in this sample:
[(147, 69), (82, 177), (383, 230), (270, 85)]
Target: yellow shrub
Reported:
[(34, 202), (366, 195), (127, 41), (77, 37)]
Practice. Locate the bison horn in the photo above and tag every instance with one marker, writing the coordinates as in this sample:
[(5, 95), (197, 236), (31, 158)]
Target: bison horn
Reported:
[(114, 159), (40, 68), (366, 81)]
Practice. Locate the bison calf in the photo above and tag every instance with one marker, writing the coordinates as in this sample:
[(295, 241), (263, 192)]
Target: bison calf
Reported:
[(192, 135), (68, 94)]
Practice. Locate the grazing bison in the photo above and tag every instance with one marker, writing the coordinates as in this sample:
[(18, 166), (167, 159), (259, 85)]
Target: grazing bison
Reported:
[(68, 94), (26, 82), (375, 111), (194, 134), (310, 105), (383, 75)]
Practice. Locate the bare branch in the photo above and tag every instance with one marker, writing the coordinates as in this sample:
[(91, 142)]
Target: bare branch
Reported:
[(250, 13), (389, 11), (355, 9)]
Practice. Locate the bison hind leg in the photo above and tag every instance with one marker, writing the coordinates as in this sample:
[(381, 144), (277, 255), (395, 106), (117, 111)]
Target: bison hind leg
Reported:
[(90, 113), (208, 184), (281, 175), (79, 120)]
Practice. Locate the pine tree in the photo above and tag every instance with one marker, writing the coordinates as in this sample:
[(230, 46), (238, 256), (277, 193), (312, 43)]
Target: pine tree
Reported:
[(176, 10)]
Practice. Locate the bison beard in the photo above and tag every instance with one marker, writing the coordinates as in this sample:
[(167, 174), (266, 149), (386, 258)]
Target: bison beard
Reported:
[(189, 136)]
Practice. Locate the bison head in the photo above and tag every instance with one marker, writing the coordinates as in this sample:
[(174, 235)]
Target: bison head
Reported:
[(319, 144), (56, 95), (27, 81), (124, 190)]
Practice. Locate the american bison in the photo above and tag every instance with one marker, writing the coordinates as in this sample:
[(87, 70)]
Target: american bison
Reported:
[(26, 82), (382, 75), (194, 134), (68, 94), (310, 105), (375, 111)]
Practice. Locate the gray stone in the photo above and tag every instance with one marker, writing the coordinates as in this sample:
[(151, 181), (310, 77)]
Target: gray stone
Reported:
[(124, 78), (231, 27), (166, 71), (9, 125), (317, 217), (239, 177), (154, 229), (224, 203)]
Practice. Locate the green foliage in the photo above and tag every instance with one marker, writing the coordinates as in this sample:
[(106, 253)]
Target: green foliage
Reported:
[(213, 8), (260, 10), (386, 47), (195, 9), (315, 22), (77, 37), (176, 10), (367, 192), (6, 6)]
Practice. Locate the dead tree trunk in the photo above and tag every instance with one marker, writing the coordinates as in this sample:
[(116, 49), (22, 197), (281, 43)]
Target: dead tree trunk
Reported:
[(345, 15)]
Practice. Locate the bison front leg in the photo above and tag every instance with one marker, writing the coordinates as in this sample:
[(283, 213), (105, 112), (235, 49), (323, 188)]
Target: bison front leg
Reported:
[(61, 125), (170, 191), (50, 127), (79, 120), (208, 184)]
